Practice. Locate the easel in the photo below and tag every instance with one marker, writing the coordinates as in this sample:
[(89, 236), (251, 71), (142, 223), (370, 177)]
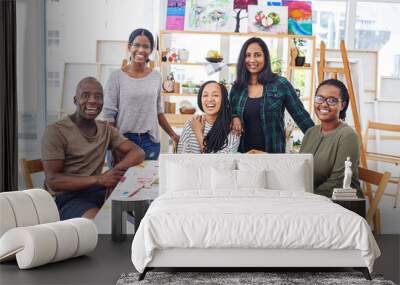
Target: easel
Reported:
[(345, 70)]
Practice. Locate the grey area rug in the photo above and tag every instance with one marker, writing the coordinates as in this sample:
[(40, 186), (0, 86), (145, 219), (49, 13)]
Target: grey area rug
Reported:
[(228, 278)]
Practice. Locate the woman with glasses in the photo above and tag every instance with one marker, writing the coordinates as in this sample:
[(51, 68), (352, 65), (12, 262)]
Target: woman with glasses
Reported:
[(133, 97), (333, 140), (259, 98)]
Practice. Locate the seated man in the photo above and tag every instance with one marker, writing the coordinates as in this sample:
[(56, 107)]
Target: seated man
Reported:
[(73, 151)]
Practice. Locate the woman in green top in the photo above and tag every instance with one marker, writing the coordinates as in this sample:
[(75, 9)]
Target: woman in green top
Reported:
[(332, 141), (259, 98)]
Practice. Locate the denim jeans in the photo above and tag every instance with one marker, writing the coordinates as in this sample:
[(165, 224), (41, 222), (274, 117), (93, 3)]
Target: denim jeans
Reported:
[(151, 149)]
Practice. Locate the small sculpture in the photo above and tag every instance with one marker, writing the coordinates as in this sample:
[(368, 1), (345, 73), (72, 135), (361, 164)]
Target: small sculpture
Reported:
[(348, 173), (169, 83)]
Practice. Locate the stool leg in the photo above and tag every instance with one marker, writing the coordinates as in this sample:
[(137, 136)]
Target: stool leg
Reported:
[(377, 222), (396, 199), (118, 221)]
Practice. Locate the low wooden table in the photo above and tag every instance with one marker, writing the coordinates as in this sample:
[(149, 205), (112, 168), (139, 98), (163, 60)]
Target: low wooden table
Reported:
[(356, 205)]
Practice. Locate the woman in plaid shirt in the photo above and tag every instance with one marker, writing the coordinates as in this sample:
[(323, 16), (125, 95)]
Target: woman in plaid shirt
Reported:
[(259, 98)]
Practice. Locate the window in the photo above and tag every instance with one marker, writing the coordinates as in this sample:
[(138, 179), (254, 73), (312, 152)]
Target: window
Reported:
[(53, 38), (380, 31), (329, 21)]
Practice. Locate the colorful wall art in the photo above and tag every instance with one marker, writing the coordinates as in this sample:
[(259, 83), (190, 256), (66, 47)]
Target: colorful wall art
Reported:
[(269, 19), (300, 17), (209, 15), (176, 15), (273, 3)]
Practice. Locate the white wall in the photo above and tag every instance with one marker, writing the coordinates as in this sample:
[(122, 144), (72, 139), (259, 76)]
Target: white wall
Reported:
[(30, 77), (81, 23)]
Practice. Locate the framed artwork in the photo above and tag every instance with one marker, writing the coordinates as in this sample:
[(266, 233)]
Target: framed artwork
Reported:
[(270, 3), (268, 19), (209, 15), (240, 13), (176, 15), (300, 17)]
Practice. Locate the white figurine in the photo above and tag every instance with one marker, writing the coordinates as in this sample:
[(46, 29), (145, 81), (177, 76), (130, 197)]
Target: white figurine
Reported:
[(348, 173)]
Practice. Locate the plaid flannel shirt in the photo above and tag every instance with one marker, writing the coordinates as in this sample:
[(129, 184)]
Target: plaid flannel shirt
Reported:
[(278, 95)]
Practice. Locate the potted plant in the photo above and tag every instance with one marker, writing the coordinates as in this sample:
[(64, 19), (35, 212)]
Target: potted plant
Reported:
[(276, 65), (300, 57)]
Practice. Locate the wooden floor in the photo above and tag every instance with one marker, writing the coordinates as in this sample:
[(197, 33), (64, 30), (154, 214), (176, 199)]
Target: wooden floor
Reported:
[(110, 260)]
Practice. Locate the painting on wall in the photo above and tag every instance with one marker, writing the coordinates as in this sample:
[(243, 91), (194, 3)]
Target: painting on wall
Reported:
[(271, 3), (209, 15), (176, 15), (268, 19), (240, 14), (300, 17)]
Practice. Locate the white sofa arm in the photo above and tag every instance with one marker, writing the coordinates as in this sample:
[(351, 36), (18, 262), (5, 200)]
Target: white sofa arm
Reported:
[(26, 208), (37, 245)]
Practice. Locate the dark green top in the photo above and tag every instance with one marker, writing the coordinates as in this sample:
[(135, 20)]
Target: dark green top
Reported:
[(330, 152), (278, 95)]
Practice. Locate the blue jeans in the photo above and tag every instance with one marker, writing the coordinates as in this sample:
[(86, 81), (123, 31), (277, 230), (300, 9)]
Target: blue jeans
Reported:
[(151, 149)]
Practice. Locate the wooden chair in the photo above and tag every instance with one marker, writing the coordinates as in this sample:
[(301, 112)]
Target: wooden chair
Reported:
[(380, 180), (382, 157), (29, 167)]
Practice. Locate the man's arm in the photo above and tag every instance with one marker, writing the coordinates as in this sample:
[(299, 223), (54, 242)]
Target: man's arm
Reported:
[(133, 155), (56, 180)]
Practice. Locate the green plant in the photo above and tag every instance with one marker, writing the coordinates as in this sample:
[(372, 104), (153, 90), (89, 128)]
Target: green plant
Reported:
[(299, 44), (297, 143), (276, 65)]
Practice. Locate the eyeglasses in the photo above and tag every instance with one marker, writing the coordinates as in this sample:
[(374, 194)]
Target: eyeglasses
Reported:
[(331, 101), (138, 46)]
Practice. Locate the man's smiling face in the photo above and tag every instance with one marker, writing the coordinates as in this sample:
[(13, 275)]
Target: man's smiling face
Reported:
[(89, 99)]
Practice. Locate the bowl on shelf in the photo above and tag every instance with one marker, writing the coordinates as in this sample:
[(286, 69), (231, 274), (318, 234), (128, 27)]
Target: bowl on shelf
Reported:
[(187, 110), (214, 59)]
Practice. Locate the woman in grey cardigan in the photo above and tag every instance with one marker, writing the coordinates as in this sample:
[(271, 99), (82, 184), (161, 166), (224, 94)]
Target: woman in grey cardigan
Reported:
[(133, 97), (332, 141)]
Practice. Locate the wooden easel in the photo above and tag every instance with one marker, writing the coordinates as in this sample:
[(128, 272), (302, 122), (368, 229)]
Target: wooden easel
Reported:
[(345, 70)]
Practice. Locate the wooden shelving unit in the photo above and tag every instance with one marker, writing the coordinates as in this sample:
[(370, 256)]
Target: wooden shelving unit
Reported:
[(177, 120), (191, 63), (179, 94), (267, 35), (288, 70)]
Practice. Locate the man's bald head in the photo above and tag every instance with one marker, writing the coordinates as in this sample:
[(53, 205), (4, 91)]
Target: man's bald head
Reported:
[(85, 81)]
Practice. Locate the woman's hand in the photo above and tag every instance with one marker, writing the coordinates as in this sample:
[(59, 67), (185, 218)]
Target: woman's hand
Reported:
[(198, 123), (237, 126), (175, 138)]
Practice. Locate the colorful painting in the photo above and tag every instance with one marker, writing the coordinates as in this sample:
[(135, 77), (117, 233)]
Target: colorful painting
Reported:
[(274, 3), (243, 4), (209, 15), (269, 19), (240, 14), (176, 15), (300, 17)]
